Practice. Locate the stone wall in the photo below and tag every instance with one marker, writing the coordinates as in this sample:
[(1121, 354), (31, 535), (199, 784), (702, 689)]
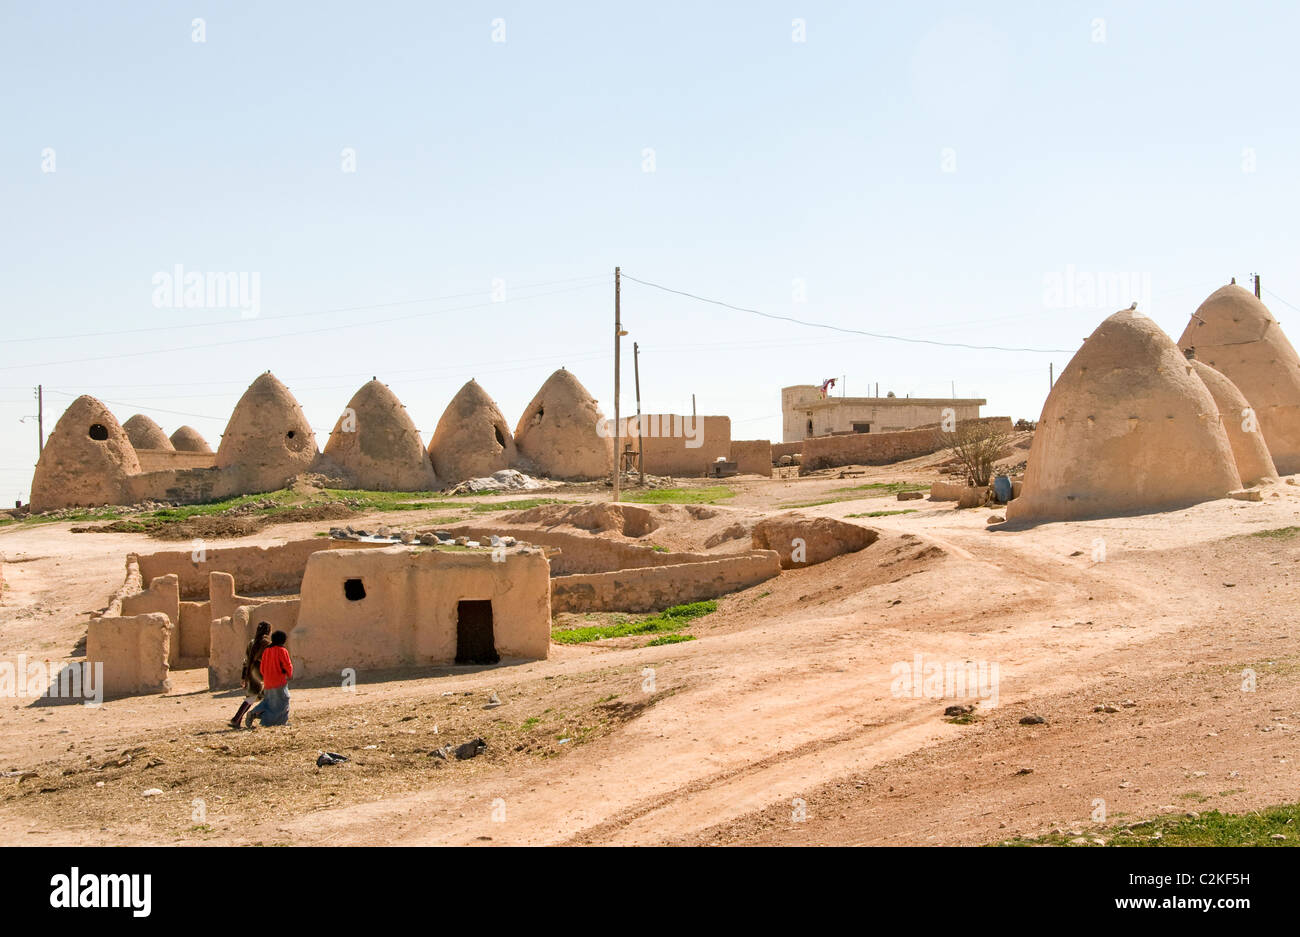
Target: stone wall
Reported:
[(657, 588), (163, 596), (669, 451), (752, 456), (162, 460), (134, 651), (580, 553), (256, 570), (821, 452)]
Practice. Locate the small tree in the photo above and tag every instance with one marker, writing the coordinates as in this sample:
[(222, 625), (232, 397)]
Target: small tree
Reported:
[(976, 445)]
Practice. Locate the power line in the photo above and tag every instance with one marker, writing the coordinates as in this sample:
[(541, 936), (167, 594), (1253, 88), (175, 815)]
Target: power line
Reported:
[(294, 315), (837, 328), (267, 338), (1280, 299)]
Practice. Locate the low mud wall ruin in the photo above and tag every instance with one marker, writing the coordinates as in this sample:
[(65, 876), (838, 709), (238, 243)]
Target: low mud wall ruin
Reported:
[(651, 589)]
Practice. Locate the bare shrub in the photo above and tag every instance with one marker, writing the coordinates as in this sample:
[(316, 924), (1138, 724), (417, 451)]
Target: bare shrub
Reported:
[(976, 446)]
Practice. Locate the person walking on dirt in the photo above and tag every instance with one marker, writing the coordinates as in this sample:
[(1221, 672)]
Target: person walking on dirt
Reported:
[(277, 671), (251, 678)]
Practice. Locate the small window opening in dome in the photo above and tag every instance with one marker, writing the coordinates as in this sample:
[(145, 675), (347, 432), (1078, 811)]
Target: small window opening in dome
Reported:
[(501, 440), (290, 434), (354, 590), (98, 431)]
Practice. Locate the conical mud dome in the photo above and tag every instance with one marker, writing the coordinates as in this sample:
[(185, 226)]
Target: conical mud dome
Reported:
[(86, 460), (1240, 423), (188, 439), (1128, 428), (268, 439), (144, 433), (1234, 333), (560, 432), (377, 444), (472, 438)]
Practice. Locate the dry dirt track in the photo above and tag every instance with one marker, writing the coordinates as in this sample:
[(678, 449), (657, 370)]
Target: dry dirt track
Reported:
[(787, 695)]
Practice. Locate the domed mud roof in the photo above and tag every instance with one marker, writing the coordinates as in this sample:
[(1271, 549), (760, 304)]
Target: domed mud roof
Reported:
[(1234, 333), (558, 432), (87, 460), (188, 439), (1128, 428), (377, 444), (1240, 423), (144, 433), (472, 438), (268, 439)]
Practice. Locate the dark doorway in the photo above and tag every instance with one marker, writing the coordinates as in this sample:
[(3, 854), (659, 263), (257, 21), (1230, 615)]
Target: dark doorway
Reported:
[(475, 643)]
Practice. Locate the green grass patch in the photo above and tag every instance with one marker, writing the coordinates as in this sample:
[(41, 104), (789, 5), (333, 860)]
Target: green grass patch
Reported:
[(669, 620), (889, 488), (883, 513), (858, 492), (523, 505), (670, 639), (710, 495), (1212, 828), (1277, 533)]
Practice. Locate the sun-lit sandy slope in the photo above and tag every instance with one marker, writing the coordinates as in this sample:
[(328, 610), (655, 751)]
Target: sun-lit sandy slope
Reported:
[(784, 699)]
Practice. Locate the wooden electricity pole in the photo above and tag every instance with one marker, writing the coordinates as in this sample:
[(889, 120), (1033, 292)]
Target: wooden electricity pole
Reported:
[(1050, 379), (1257, 286), (640, 430), (40, 419), (618, 334)]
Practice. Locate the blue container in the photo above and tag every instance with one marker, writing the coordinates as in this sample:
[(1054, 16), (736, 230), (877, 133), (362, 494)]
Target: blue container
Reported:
[(1002, 489)]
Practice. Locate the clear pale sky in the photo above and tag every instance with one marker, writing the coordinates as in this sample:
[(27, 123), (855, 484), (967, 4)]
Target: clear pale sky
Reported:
[(923, 170)]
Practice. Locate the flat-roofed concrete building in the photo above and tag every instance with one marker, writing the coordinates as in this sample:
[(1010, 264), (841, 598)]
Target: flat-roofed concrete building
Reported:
[(805, 412)]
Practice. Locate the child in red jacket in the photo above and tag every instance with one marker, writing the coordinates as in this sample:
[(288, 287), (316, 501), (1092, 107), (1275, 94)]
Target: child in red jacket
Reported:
[(277, 671)]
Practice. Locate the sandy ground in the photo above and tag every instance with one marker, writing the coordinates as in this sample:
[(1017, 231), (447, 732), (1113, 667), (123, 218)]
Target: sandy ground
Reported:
[(782, 722)]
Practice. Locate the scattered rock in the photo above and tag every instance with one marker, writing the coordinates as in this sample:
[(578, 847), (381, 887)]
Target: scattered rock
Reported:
[(330, 758), (152, 792), (470, 749), (958, 710), (504, 480), (1033, 720)]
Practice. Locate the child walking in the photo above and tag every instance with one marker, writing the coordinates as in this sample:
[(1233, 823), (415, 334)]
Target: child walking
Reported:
[(251, 678), (277, 671)]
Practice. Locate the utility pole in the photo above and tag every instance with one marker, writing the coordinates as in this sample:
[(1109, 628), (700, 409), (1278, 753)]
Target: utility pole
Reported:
[(1257, 286), (40, 418), (618, 334), (692, 406), (877, 389), (1050, 380), (640, 430)]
